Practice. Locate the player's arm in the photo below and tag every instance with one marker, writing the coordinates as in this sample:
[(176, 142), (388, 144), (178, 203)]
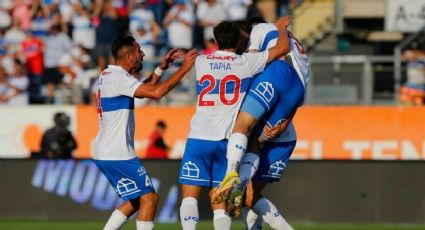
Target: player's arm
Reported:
[(272, 132), (282, 45), (165, 63), (156, 91)]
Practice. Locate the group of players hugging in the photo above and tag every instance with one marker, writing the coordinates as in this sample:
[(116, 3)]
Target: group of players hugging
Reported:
[(241, 135)]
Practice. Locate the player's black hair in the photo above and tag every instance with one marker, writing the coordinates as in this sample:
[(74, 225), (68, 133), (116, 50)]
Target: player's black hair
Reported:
[(244, 26), (256, 20), (227, 35), (120, 43)]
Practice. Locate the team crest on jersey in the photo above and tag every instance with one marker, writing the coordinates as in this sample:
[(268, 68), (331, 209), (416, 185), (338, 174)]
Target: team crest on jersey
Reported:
[(265, 91), (126, 187), (276, 169), (190, 169)]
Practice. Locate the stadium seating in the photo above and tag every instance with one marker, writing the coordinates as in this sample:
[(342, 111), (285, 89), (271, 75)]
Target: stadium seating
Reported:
[(313, 20)]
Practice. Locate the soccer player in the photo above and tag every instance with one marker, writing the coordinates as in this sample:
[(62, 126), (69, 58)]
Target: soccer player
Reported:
[(114, 152), (222, 81), (274, 96)]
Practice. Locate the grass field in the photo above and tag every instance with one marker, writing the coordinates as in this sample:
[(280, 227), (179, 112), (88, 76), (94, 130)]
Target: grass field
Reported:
[(83, 225)]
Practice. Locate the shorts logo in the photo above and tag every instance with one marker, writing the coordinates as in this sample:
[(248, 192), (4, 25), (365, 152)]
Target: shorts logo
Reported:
[(190, 170), (276, 169), (126, 187), (141, 171), (265, 91)]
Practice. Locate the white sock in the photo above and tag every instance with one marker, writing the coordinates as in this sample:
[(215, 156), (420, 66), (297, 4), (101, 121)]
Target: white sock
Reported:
[(236, 148), (189, 215), (144, 225), (116, 220), (222, 220), (268, 211), (248, 169), (251, 220)]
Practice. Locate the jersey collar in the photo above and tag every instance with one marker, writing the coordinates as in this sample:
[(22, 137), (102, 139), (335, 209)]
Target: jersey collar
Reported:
[(221, 52)]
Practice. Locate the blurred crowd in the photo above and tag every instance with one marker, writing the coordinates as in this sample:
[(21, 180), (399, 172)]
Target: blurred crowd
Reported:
[(51, 51)]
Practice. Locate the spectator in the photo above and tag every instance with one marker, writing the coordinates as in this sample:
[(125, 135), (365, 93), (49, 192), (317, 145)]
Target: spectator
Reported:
[(236, 9), (58, 142), (146, 31), (157, 149), (105, 22), (21, 13), (83, 32), (76, 80), (5, 19), (18, 84), (32, 51), (14, 36), (4, 88), (3, 50), (209, 14), (413, 91), (179, 24), (39, 20), (121, 8), (54, 15), (57, 44), (158, 9)]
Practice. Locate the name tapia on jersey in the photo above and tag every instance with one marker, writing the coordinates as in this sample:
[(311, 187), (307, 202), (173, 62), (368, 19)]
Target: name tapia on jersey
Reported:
[(264, 36), (222, 79)]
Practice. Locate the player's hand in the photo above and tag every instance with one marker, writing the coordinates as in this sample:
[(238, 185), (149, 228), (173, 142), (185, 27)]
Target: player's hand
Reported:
[(189, 59), (272, 132), (267, 132), (168, 59), (284, 22)]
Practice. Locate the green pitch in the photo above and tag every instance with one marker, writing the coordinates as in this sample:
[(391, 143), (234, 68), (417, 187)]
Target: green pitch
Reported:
[(89, 225)]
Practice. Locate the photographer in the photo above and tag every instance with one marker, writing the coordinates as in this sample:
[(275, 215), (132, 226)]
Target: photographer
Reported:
[(58, 142)]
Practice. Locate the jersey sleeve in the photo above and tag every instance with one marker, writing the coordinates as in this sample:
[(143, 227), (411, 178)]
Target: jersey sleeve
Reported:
[(256, 38), (127, 85), (256, 61)]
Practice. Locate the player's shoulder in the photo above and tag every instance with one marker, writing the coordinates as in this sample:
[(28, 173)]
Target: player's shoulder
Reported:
[(200, 59), (115, 73), (261, 27)]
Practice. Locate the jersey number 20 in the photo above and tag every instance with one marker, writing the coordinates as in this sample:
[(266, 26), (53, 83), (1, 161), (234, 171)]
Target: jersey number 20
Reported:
[(211, 84)]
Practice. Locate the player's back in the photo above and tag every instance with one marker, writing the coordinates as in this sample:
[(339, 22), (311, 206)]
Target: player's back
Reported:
[(114, 140), (264, 36), (222, 79)]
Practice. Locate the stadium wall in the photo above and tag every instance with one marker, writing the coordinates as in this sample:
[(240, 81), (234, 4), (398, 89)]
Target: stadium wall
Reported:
[(313, 191), (324, 132)]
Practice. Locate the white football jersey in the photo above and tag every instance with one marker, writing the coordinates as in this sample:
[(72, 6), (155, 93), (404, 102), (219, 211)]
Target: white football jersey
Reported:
[(115, 107), (222, 79), (264, 36)]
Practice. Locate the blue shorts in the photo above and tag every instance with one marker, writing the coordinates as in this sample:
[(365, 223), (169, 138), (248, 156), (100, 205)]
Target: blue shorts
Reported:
[(204, 163), (128, 177), (274, 157), (275, 93)]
